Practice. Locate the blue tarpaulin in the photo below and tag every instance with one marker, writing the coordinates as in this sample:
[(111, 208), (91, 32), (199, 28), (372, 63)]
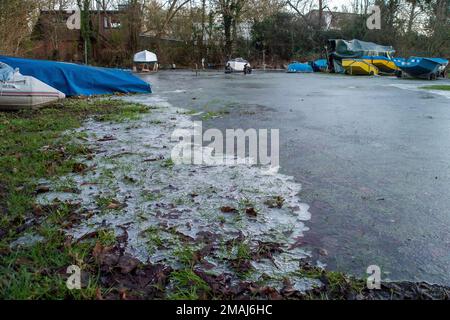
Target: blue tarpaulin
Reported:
[(320, 65), (76, 80), (296, 67)]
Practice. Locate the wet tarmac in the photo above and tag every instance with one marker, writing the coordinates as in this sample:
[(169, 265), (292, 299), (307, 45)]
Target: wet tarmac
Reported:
[(372, 156)]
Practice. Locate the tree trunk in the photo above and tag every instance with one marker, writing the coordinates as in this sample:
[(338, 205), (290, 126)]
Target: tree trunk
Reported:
[(227, 24), (412, 14), (319, 25)]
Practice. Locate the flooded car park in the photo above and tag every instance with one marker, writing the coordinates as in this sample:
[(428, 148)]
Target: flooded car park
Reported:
[(371, 155)]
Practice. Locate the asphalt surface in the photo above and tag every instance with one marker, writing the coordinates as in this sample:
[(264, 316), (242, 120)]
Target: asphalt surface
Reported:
[(372, 155)]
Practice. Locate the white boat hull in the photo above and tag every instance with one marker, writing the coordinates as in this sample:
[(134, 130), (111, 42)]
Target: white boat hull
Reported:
[(26, 92)]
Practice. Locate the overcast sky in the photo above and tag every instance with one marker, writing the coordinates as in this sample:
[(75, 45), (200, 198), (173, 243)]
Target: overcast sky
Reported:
[(338, 3)]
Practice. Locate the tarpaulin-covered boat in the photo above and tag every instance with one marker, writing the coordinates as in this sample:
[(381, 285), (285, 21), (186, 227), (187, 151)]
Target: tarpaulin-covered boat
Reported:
[(354, 49), (18, 91), (385, 65), (298, 67), (320, 65), (359, 67), (425, 68), (76, 80)]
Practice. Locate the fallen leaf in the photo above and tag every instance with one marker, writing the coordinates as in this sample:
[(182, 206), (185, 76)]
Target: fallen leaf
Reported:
[(251, 212), (42, 189), (107, 138), (114, 205), (79, 167), (228, 209), (127, 264)]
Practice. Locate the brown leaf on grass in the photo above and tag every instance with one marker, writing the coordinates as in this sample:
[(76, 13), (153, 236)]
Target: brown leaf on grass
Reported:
[(42, 189), (68, 242), (23, 261), (267, 250), (97, 250), (37, 210), (98, 294), (127, 264), (79, 167), (114, 205), (271, 293), (275, 202), (107, 138), (251, 212), (123, 294), (228, 209), (105, 256)]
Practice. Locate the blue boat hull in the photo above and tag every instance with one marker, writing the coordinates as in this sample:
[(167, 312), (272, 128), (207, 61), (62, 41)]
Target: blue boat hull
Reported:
[(426, 68)]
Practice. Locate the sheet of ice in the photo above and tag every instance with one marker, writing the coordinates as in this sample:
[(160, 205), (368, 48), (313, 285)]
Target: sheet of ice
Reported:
[(167, 207)]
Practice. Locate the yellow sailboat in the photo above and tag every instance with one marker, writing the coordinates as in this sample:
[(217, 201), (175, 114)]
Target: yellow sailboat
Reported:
[(383, 64), (359, 67)]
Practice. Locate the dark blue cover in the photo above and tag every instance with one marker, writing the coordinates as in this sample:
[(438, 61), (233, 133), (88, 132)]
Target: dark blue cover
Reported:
[(320, 65), (76, 80)]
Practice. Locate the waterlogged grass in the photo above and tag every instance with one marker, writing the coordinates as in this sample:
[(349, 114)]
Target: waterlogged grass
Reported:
[(33, 146), (437, 87)]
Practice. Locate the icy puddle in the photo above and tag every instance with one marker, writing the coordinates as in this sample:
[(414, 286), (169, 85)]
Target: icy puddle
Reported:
[(240, 220)]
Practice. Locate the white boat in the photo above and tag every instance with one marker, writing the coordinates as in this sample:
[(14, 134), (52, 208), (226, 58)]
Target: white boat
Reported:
[(237, 65), (18, 91)]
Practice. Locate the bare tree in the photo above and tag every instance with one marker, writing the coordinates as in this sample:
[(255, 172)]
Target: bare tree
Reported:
[(16, 21), (231, 12)]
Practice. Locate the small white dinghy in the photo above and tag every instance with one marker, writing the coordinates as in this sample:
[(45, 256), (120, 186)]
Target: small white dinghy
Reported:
[(18, 91)]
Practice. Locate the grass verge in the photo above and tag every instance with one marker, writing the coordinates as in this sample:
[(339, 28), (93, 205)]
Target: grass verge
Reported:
[(33, 146), (437, 87)]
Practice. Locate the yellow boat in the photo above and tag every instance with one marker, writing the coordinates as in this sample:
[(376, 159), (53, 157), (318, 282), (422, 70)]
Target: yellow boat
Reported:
[(359, 67), (383, 64)]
